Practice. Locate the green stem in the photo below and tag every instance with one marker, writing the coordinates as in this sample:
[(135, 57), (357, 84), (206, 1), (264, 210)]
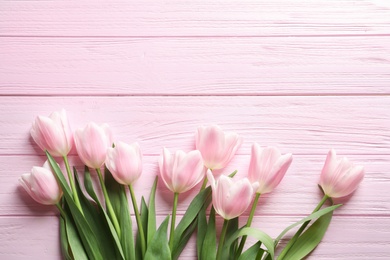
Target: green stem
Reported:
[(248, 224), (222, 238), (301, 229), (173, 220), (72, 185), (62, 212), (204, 184), (108, 204), (138, 219)]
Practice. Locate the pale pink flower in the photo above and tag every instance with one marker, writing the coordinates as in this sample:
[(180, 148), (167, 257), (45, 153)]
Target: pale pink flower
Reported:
[(230, 197), (92, 143), (340, 177), (124, 162), (42, 185), (217, 148), (182, 171), (267, 167), (53, 133)]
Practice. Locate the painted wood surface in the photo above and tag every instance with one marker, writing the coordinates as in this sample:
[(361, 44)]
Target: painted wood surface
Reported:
[(303, 75)]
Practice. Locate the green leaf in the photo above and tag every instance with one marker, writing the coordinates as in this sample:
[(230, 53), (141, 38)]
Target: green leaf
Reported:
[(127, 239), (185, 238), (152, 213), (310, 217), (229, 253), (89, 186), (117, 195), (202, 228), (186, 226), (253, 252), (144, 212), (210, 240), (87, 236), (97, 219), (75, 243), (65, 248), (255, 233), (309, 240), (159, 248)]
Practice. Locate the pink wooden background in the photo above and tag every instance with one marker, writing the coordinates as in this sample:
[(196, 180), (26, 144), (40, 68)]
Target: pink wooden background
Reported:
[(304, 75)]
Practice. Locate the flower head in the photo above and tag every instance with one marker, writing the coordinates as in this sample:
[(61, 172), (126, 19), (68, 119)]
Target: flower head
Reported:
[(92, 143), (124, 162), (53, 133), (41, 185), (217, 148), (267, 167), (231, 198), (182, 171), (340, 177)]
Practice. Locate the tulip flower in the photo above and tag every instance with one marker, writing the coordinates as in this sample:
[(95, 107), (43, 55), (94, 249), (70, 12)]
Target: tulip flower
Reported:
[(124, 162), (217, 148), (53, 133), (230, 200), (42, 185), (180, 172), (92, 143), (339, 177), (267, 167)]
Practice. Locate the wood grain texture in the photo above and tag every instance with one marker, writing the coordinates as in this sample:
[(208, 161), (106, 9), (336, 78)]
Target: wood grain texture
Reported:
[(301, 125), (194, 18), (195, 66), (303, 75)]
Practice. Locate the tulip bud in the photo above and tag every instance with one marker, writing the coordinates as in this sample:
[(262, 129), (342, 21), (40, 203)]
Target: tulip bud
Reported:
[(92, 143), (124, 162), (267, 167), (231, 198), (42, 185), (217, 148), (182, 171), (340, 177), (53, 133)]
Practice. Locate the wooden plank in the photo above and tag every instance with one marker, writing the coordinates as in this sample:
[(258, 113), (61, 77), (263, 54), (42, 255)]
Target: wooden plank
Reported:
[(297, 124), (194, 18), (37, 237), (298, 193), (195, 66)]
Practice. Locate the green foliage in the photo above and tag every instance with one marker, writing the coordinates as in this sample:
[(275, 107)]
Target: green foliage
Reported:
[(159, 248)]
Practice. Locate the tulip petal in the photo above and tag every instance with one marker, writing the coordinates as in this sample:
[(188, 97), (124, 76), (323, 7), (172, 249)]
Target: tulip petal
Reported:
[(339, 177)]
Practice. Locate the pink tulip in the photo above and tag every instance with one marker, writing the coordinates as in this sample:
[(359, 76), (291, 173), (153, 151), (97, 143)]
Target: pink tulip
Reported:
[(267, 167), (124, 162), (53, 133), (181, 172), (217, 148), (231, 198), (92, 143), (42, 185), (340, 177)]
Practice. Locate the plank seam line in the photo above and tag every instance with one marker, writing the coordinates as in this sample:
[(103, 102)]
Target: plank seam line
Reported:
[(204, 95), (194, 36)]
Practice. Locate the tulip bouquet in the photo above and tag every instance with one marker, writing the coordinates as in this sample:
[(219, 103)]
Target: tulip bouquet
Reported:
[(96, 223)]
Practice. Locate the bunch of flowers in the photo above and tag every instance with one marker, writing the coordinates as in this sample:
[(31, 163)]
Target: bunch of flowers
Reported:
[(100, 227)]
